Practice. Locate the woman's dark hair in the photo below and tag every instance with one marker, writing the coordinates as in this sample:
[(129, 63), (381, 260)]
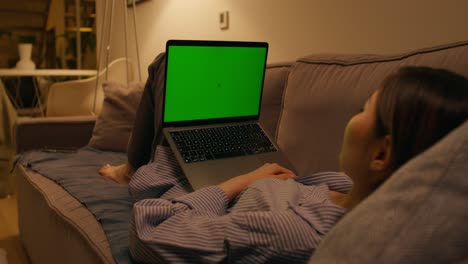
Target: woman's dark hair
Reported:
[(418, 106)]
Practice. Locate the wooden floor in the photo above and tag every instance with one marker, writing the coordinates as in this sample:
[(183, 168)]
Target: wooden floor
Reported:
[(9, 239)]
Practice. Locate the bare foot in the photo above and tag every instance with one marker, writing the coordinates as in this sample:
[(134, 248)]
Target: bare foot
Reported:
[(121, 174)]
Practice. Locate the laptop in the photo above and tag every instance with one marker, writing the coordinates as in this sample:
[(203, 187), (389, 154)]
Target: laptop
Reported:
[(212, 98)]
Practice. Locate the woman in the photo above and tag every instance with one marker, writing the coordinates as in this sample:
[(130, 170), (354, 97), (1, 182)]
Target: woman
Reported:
[(270, 214)]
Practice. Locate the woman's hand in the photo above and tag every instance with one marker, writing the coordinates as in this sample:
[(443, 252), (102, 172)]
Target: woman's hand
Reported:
[(234, 186)]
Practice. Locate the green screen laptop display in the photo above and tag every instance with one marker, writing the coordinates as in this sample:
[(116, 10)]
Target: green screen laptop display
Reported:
[(212, 82)]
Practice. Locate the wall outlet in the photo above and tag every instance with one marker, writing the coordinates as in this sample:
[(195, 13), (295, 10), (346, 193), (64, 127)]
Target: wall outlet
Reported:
[(224, 20)]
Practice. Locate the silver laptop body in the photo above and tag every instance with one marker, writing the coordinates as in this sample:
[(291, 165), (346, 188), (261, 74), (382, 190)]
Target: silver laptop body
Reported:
[(212, 87)]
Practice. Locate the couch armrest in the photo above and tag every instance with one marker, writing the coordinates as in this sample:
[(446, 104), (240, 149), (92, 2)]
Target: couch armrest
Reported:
[(53, 132)]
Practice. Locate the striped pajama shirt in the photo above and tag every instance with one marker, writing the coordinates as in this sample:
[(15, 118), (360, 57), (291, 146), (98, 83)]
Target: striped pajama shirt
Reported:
[(270, 221)]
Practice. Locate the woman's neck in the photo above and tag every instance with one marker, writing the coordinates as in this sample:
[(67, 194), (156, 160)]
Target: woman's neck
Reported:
[(353, 198)]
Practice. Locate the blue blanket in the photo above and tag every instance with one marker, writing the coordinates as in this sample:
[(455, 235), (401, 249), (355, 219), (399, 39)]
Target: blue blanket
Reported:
[(77, 173)]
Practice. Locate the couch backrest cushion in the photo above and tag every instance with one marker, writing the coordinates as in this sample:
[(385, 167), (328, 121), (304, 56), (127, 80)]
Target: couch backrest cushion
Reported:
[(272, 97), (324, 91), (418, 216)]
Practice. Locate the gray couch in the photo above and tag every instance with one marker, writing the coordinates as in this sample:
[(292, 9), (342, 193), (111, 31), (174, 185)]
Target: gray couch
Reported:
[(305, 108)]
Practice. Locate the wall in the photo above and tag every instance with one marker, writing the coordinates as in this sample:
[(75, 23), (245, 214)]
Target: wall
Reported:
[(295, 28)]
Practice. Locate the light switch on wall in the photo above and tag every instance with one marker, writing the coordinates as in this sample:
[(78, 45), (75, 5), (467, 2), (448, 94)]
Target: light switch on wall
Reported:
[(224, 20)]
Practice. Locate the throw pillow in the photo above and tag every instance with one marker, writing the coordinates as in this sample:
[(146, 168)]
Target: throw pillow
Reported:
[(418, 216), (115, 122)]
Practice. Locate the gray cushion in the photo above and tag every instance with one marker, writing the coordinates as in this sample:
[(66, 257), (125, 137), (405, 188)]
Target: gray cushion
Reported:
[(325, 90), (418, 216), (276, 76), (114, 124)]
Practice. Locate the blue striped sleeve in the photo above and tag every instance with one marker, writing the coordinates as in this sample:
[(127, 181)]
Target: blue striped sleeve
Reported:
[(272, 221), (162, 232), (186, 230)]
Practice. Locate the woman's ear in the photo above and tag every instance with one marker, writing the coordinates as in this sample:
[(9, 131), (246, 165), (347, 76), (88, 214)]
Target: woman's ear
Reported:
[(382, 157)]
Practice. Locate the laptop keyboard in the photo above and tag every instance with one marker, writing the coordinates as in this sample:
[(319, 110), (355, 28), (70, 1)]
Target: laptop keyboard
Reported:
[(221, 142)]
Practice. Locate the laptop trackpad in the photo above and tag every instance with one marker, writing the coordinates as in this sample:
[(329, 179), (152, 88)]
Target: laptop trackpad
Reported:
[(207, 173)]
